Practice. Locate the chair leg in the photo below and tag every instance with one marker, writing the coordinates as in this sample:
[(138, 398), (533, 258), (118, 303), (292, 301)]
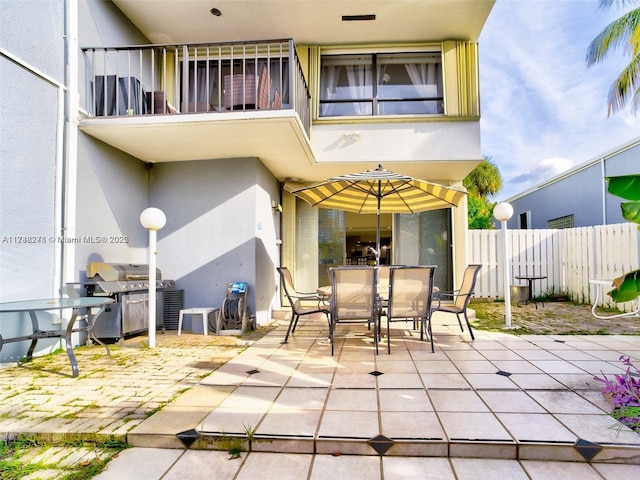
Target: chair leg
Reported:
[(460, 322), (294, 319), (331, 329), (427, 321), (295, 324), (388, 337), (376, 334), (468, 325), (430, 332)]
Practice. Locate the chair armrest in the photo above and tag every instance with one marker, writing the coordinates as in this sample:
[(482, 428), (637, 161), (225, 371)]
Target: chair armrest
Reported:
[(449, 294), (307, 296), (322, 301)]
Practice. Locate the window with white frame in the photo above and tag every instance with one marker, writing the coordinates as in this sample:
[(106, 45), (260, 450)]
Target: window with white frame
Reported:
[(524, 220), (381, 84)]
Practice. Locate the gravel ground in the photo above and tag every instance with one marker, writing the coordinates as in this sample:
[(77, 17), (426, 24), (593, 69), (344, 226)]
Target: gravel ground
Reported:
[(560, 318)]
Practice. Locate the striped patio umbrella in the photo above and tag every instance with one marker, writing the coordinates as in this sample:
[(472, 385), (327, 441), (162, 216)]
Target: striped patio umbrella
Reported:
[(379, 191)]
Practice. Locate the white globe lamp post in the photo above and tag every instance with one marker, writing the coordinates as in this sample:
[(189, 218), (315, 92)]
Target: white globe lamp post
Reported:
[(153, 219), (503, 212)]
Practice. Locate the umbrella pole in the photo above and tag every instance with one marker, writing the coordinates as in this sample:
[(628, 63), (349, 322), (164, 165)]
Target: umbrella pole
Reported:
[(378, 225), (378, 239)]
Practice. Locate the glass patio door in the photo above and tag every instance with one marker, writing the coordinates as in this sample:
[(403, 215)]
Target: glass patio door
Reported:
[(426, 239), (418, 239)]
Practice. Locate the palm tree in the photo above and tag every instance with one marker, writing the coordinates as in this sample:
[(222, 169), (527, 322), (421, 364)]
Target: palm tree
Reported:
[(625, 32), (483, 181)]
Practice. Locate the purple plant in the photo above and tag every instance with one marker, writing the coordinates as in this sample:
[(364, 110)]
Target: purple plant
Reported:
[(624, 393)]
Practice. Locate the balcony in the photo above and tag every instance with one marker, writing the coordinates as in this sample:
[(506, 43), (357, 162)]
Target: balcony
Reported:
[(227, 99)]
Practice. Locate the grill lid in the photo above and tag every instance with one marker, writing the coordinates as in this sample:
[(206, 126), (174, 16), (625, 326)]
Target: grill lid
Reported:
[(111, 272)]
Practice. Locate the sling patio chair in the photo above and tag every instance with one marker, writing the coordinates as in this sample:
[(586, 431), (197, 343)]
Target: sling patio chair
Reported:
[(460, 297), (354, 299), (296, 299), (410, 298)]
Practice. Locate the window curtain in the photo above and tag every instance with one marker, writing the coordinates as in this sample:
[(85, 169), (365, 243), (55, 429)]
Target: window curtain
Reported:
[(279, 79), (306, 247), (329, 87), (202, 86), (425, 77), (359, 78), (205, 85)]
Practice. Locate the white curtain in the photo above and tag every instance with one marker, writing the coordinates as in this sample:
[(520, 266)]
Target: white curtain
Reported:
[(201, 86), (359, 78), (306, 247), (424, 77), (329, 88)]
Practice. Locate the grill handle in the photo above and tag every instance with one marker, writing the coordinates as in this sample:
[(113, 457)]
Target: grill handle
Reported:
[(132, 302)]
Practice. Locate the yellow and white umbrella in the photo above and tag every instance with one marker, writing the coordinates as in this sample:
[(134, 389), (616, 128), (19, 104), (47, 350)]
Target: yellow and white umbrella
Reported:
[(379, 191)]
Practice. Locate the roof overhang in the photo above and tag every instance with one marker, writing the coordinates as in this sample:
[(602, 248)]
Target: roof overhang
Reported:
[(276, 137), (310, 22)]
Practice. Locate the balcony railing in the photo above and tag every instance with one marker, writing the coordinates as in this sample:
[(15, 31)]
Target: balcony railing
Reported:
[(195, 78)]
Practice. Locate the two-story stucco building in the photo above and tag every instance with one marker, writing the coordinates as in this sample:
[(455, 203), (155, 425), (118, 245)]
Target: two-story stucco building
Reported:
[(214, 112)]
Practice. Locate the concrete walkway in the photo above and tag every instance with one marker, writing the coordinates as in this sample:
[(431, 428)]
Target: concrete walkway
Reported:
[(498, 407)]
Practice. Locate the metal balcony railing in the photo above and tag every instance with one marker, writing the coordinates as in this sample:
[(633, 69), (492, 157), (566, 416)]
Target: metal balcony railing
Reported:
[(195, 78)]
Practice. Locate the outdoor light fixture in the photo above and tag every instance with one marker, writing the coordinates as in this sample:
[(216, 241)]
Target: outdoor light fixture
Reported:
[(153, 219), (276, 207), (215, 12), (503, 212)]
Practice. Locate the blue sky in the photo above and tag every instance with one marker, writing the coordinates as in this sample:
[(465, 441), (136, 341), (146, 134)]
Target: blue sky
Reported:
[(543, 112)]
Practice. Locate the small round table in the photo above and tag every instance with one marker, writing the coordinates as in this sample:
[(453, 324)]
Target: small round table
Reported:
[(530, 297)]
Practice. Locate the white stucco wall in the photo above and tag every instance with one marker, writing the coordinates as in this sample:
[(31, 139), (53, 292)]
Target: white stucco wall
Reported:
[(32, 33), (398, 141), (220, 229)]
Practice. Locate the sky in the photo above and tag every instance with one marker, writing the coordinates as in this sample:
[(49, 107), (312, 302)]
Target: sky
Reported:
[(542, 110)]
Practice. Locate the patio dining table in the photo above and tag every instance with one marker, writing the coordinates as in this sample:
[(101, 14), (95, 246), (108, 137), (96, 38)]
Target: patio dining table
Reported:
[(51, 304)]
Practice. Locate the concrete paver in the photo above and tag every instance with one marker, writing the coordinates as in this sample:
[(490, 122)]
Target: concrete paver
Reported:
[(146, 396)]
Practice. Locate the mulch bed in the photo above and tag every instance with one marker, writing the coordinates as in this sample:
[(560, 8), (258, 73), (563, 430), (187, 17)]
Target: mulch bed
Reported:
[(559, 318)]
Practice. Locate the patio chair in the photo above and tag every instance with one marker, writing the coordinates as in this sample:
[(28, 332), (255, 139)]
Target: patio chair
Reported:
[(354, 299), (460, 297), (410, 298), (296, 298)]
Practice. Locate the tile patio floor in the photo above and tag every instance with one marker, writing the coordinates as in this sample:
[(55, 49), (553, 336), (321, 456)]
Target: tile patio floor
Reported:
[(515, 407), (498, 407)]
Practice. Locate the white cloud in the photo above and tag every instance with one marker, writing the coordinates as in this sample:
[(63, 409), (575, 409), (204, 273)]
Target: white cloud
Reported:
[(543, 110)]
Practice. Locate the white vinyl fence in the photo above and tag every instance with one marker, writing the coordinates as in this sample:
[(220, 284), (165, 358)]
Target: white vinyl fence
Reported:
[(569, 258)]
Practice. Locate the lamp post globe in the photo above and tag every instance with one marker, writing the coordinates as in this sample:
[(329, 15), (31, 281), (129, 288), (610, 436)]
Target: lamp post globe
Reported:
[(153, 218), (503, 211)]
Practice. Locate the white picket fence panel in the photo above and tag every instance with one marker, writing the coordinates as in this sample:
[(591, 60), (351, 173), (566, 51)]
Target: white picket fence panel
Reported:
[(567, 257)]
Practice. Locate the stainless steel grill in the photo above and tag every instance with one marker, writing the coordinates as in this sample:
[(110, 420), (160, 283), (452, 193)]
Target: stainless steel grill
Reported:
[(128, 284)]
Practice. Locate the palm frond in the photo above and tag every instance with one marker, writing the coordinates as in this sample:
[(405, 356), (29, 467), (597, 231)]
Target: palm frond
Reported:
[(622, 31), (625, 87), (635, 103), (608, 4)]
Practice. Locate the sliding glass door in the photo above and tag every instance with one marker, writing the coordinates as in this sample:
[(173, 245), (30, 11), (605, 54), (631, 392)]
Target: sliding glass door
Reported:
[(426, 239), (326, 238)]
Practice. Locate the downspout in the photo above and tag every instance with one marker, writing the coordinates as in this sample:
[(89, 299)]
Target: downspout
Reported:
[(604, 192), (70, 157)]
